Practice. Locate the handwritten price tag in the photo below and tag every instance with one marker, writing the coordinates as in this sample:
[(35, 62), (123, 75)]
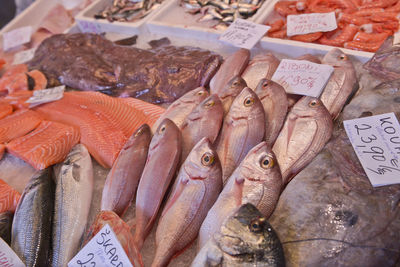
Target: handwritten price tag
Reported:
[(308, 23), (17, 37), (376, 141), (24, 56), (302, 77), (8, 256), (103, 250), (243, 33), (89, 27), (46, 95)]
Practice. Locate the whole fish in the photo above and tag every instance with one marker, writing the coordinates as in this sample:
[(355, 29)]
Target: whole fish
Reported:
[(243, 128), (257, 180), (123, 178), (180, 108), (245, 239), (233, 65), (307, 129), (195, 191), (260, 67), (342, 83), (31, 228), (274, 100), (230, 91), (74, 189), (162, 161), (204, 121), (6, 219)]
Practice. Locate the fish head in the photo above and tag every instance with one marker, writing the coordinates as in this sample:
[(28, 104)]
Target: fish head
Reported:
[(196, 95), (233, 87), (202, 162), (246, 105), (142, 134), (210, 107), (167, 132), (266, 87), (337, 58), (308, 106)]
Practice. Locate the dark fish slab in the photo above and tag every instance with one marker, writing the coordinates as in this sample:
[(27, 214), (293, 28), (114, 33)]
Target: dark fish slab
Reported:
[(90, 62)]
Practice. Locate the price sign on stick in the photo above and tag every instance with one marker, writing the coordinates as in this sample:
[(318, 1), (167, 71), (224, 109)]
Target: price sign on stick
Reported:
[(309, 23), (17, 37), (376, 141)]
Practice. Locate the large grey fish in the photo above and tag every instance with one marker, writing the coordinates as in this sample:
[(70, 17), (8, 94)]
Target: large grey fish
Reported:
[(260, 67), (307, 129), (245, 239), (233, 65), (342, 83), (32, 224), (204, 121), (6, 219), (274, 100), (74, 189), (257, 180), (195, 191), (180, 108), (243, 128), (123, 178), (230, 91), (162, 160)]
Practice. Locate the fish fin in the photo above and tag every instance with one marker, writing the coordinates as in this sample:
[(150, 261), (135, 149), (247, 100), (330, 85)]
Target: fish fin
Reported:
[(175, 195)]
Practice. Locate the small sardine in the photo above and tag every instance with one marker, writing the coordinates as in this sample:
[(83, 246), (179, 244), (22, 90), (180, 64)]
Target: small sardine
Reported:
[(257, 180), (274, 100), (230, 92), (260, 67), (74, 189), (162, 161), (245, 239), (243, 128), (180, 108), (31, 228), (6, 219), (195, 191), (123, 178), (307, 129)]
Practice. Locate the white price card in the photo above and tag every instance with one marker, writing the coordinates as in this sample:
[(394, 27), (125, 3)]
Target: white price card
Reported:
[(24, 56), (243, 33), (103, 249), (8, 256), (17, 37), (71, 4), (89, 27), (46, 95), (376, 141), (302, 77), (309, 23)]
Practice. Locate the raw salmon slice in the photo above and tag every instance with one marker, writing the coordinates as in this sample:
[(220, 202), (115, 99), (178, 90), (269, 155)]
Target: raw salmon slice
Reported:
[(5, 109), (8, 197), (18, 124), (152, 111), (2, 150), (14, 79), (46, 145), (18, 99), (39, 79)]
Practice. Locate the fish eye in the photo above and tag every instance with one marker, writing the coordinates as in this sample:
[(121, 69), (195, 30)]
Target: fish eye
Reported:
[(209, 104), (267, 162), (313, 103), (200, 93), (257, 225), (162, 129), (235, 83), (249, 101), (207, 159), (343, 57), (139, 132), (265, 84)]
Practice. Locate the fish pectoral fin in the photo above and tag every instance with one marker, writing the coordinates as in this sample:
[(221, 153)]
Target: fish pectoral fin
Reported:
[(175, 195), (291, 124)]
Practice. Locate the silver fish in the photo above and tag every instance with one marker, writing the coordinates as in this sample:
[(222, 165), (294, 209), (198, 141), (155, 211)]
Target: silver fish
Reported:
[(74, 188), (123, 178), (261, 66), (342, 83), (230, 92), (257, 180), (274, 100), (6, 219), (31, 228), (245, 239), (243, 128), (307, 129), (195, 191)]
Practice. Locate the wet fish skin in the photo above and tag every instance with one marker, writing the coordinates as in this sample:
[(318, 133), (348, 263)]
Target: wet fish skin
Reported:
[(195, 190), (162, 160), (123, 178), (274, 100), (245, 239), (74, 189), (243, 128), (233, 65), (307, 128), (260, 67), (204, 121), (257, 180), (342, 83), (180, 108), (32, 223), (230, 91), (309, 57), (6, 219)]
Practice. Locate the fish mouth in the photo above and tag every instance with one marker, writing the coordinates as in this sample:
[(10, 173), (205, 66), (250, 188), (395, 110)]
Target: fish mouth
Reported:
[(239, 118)]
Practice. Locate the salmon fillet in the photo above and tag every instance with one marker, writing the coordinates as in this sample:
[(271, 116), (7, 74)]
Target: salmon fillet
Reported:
[(18, 124), (46, 145), (8, 197), (5, 109), (152, 111)]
